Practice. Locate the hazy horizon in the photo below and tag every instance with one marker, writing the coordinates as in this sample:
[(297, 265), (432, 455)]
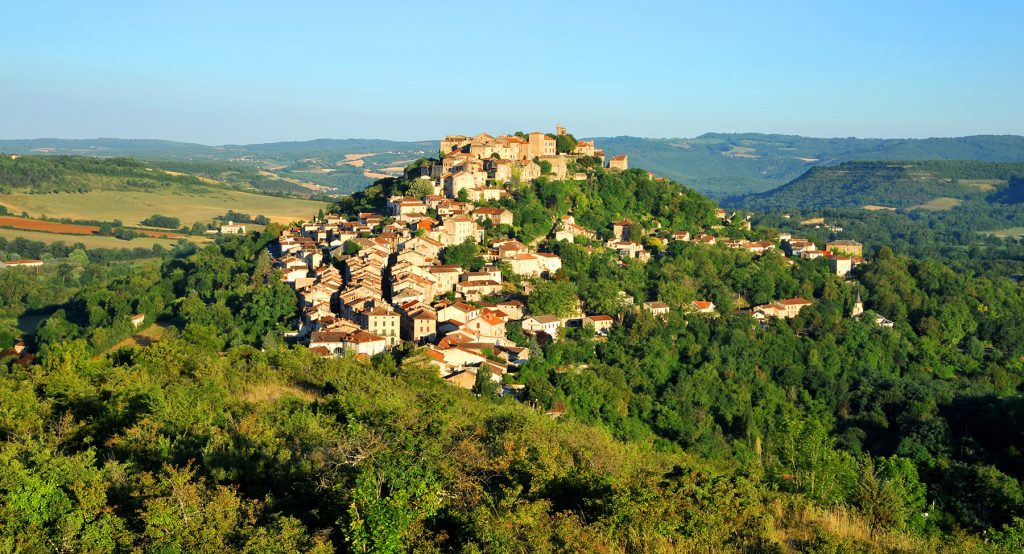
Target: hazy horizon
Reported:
[(470, 133)]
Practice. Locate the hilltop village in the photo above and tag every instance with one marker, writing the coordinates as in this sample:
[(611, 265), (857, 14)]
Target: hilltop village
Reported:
[(429, 269)]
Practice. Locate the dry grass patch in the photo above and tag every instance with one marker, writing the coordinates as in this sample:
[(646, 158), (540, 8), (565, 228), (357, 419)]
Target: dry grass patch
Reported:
[(985, 185), (145, 337), (800, 528), (271, 392)]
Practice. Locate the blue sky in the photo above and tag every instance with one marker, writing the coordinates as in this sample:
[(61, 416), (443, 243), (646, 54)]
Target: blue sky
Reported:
[(242, 72)]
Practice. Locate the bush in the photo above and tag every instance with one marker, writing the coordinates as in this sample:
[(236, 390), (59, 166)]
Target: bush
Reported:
[(162, 221)]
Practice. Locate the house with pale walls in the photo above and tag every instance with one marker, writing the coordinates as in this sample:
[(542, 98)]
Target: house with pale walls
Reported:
[(656, 308), (419, 322), (486, 273), (232, 229), (497, 216), (526, 265), (840, 265), (507, 249), (455, 358), (796, 247), (559, 165), (446, 276), (704, 238), (486, 194), (622, 229), (787, 309), (547, 324), (457, 311), (404, 206), (514, 309), (331, 341), (454, 143), (357, 342), (509, 147), (601, 323), (549, 263), (499, 170), (702, 307), (845, 247), (457, 229), (460, 161), (408, 291), (540, 145), (382, 321), (489, 326), (423, 244), (629, 250), (363, 343), (584, 148), (415, 258), (619, 163), (476, 290), (567, 229), (455, 182), (758, 247), (527, 170)]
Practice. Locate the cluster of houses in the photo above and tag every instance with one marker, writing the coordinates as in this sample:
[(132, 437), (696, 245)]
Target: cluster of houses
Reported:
[(369, 282), (365, 285), (480, 166), (842, 255)]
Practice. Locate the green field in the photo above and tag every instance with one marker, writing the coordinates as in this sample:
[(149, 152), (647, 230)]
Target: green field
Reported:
[(939, 204), (1009, 232), (131, 207), (92, 241)]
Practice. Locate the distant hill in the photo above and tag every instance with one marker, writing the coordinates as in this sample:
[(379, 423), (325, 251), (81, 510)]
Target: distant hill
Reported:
[(889, 184), (723, 164), (339, 165), (717, 164)]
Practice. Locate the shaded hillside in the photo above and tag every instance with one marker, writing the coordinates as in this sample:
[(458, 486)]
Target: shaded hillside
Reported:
[(1012, 194), (725, 164), (890, 184)]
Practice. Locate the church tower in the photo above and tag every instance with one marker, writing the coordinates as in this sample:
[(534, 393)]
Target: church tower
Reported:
[(858, 307)]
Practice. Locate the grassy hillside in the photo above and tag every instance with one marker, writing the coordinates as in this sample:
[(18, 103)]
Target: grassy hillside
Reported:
[(731, 164), (929, 184)]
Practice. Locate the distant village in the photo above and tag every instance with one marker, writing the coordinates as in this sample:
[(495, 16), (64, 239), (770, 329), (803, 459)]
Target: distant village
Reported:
[(369, 282)]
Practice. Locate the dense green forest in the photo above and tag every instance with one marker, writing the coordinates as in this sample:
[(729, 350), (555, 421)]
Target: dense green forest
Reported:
[(821, 433), (192, 444)]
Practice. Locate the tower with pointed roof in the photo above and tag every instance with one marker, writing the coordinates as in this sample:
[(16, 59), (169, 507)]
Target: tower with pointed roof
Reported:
[(858, 307)]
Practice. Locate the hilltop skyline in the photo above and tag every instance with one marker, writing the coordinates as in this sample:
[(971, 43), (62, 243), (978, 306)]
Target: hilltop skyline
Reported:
[(238, 73)]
